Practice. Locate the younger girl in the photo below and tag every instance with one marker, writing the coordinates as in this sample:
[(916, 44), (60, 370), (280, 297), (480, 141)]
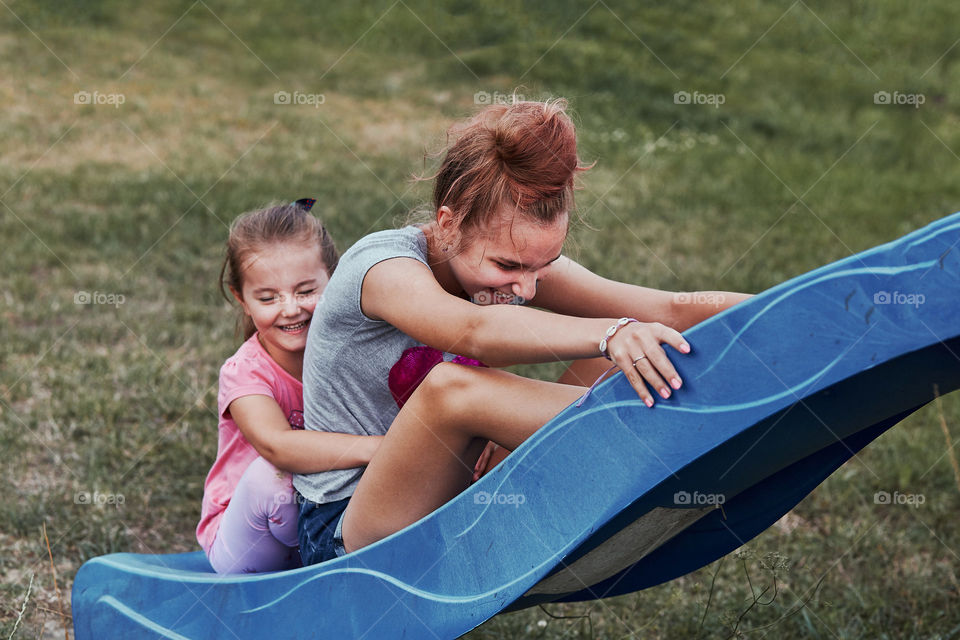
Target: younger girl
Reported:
[(278, 263), (502, 200)]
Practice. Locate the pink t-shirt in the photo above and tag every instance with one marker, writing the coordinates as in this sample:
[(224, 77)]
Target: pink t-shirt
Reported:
[(250, 371)]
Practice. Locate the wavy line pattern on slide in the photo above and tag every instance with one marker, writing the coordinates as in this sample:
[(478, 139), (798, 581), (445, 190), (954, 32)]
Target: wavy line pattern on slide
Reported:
[(792, 292)]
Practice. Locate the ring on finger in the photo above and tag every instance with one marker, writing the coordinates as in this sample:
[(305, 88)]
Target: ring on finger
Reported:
[(636, 360)]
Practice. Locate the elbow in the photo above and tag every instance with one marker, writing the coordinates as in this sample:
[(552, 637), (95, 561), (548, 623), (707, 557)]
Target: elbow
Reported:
[(474, 342), (270, 452), (483, 337)]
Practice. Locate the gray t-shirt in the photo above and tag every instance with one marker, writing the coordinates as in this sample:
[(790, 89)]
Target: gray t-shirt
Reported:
[(349, 356)]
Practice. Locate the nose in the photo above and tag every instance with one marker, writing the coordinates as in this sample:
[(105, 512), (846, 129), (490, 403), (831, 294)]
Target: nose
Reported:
[(526, 286), (290, 306)]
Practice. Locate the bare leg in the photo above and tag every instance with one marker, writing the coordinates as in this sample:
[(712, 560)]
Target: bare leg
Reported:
[(428, 455), (580, 372)]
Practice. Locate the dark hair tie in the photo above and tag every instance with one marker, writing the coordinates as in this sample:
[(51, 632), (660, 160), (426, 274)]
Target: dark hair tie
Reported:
[(305, 203)]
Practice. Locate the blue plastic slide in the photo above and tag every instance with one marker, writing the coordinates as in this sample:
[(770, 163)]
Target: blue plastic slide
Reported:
[(610, 497)]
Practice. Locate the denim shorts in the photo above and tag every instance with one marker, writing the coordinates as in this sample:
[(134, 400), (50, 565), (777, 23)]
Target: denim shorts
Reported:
[(320, 530)]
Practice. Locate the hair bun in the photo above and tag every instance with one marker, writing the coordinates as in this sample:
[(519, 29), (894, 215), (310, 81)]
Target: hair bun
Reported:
[(523, 153)]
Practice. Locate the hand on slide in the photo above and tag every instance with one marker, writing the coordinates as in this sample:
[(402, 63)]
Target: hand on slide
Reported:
[(636, 349)]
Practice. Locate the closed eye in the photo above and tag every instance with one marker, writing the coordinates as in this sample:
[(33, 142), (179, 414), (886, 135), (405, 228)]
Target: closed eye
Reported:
[(507, 267)]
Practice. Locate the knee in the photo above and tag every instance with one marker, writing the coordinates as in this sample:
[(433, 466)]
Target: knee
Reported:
[(447, 388)]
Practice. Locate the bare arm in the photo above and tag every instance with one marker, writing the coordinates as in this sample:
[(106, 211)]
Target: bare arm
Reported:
[(262, 423), (404, 292), (572, 289)]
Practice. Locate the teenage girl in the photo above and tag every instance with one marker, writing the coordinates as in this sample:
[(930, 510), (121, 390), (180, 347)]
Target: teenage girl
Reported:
[(278, 262), (502, 200)]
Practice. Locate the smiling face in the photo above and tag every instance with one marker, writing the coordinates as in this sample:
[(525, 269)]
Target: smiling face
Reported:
[(504, 262), (282, 284)]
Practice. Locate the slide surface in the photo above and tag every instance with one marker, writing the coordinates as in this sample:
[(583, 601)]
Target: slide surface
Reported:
[(609, 497)]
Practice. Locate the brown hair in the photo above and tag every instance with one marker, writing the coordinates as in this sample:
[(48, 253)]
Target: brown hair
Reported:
[(256, 229), (522, 154)]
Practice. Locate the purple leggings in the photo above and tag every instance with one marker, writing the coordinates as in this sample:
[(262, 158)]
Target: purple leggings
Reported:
[(258, 531)]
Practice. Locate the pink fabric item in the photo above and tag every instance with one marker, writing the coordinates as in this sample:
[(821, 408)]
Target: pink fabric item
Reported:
[(258, 530), (250, 371), (413, 366)]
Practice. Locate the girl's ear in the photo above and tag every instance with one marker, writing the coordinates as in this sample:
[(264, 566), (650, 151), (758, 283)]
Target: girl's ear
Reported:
[(239, 298), (448, 225)]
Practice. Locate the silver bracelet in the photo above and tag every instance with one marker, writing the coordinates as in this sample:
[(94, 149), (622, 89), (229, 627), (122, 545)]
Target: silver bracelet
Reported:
[(610, 332)]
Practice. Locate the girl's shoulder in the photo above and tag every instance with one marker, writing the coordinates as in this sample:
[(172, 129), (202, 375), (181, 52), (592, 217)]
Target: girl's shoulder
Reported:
[(249, 350), (251, 370), (249, 360)]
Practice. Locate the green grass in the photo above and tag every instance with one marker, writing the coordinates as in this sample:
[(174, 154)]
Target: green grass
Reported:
[(797, 168)]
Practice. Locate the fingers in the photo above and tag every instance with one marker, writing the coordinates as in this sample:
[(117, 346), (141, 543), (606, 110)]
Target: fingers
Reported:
[(481, 464), (650, 373), (483, 461), (636, 381), (672, 337), (642, 359)]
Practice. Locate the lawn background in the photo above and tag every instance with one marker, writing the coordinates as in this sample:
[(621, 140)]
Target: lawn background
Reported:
[(799, 166)]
